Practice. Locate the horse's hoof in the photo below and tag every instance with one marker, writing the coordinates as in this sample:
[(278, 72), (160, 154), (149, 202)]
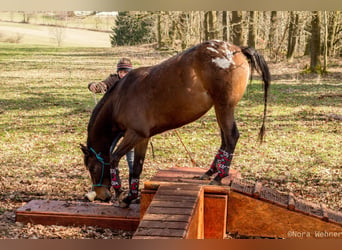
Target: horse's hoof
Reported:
[(215, 182), (122, 195), (123, 204), (203, 177)]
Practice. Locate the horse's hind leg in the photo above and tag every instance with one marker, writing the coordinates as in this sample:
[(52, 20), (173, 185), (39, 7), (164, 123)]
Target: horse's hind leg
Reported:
[(213, 167), (229, 138)]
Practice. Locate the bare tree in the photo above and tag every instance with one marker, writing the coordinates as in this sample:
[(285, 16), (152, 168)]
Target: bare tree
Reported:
[(315, 46), (293, 35), (333, 30), (237, 31), (272, 31), (325, 51), (210, 25), (252, 33), (57, 34), (225, 30)]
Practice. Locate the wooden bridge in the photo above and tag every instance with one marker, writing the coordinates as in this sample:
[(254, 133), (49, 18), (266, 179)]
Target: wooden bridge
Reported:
[(175, 205)]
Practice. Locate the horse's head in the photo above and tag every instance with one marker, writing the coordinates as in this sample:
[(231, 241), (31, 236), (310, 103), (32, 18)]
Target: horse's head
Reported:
[(99, 171)]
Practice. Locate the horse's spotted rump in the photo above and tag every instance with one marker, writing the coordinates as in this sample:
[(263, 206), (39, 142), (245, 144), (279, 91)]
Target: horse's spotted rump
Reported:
[(225, 56)]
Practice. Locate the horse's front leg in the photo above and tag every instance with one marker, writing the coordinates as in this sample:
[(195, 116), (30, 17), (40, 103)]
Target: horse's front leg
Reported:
[(115, 178), (114, 170), (134, 179)]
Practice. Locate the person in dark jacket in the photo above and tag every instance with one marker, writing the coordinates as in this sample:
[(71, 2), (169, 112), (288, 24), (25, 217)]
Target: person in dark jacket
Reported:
[(123, 66)]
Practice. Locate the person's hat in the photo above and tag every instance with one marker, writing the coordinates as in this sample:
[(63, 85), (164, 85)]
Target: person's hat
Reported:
[(124, 64)]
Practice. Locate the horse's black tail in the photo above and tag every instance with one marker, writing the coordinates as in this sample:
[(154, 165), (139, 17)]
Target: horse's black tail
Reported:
[(258, 63)]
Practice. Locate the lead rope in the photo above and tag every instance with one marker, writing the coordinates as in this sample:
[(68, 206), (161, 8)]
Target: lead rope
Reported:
[(180, 139), (95, 100)]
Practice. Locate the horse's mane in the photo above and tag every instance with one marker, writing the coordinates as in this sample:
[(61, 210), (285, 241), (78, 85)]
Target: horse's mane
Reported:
[(100, 104)]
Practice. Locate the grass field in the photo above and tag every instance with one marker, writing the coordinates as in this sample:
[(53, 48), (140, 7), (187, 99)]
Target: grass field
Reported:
[(33, 34), (45, 107)]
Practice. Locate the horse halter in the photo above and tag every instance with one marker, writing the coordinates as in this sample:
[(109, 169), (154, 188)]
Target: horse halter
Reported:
[(101, 160)]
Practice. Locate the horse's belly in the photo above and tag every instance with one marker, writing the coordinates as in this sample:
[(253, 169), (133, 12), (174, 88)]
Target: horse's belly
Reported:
[(175, 112)]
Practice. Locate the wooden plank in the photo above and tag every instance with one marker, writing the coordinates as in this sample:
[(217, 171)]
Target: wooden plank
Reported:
[(309, 208), (160, 232), (253, 217), (173, 203), (164, 224), (243, 186), (170, 210), (146, 198), (215, 216), (144, 237), (166, 217), (79, 213), (220, 190), (189, 175), (273, 196), (196, 226)]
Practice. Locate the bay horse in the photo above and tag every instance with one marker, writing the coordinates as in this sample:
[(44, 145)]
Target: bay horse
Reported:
[(151, 100)]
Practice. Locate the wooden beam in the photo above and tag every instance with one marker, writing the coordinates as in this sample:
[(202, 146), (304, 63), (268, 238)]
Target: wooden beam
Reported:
[(65, 213)]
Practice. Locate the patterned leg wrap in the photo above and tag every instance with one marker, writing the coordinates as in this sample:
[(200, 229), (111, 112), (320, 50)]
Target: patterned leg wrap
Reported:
[(213, 168), (116, 182), (133, 191), (223, 164)]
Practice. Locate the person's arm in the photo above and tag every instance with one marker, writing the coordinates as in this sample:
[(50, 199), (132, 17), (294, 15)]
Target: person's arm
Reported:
[(103, 86), (97, 87)]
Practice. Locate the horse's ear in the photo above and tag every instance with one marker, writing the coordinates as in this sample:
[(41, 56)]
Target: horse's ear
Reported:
[(84, 149)]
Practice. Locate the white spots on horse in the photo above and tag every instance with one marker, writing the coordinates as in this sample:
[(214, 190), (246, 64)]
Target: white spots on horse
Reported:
[(213, 50), (223, 63), (226, 60)]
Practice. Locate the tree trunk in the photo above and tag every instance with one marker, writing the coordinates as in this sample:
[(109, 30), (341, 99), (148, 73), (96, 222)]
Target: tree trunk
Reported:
[(252, 29), (225, 26), (237, 27), (172, 33), (205, 24), (325, 54), (159, 35), (293, 35), (332, 32), (315, 46), (212, 25), (272, 33)]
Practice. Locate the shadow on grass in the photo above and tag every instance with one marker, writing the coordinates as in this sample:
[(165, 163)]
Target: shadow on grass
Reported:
[(295, 95)]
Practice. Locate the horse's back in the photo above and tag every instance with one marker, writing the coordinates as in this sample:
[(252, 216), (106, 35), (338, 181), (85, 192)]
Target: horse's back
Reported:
[(182, 88)]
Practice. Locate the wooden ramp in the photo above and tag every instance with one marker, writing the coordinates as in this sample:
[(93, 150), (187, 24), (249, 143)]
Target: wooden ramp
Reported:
[(238, 206), (174, 212)]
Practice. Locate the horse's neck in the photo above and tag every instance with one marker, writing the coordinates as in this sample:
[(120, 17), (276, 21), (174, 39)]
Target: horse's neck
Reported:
[(99, 134)]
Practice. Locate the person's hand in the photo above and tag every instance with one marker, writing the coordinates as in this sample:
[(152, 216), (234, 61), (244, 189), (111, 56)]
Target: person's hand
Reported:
[(97, 87), (92, 87)]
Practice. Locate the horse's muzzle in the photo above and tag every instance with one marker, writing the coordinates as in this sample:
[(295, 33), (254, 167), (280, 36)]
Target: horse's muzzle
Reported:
[(102, 193)]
